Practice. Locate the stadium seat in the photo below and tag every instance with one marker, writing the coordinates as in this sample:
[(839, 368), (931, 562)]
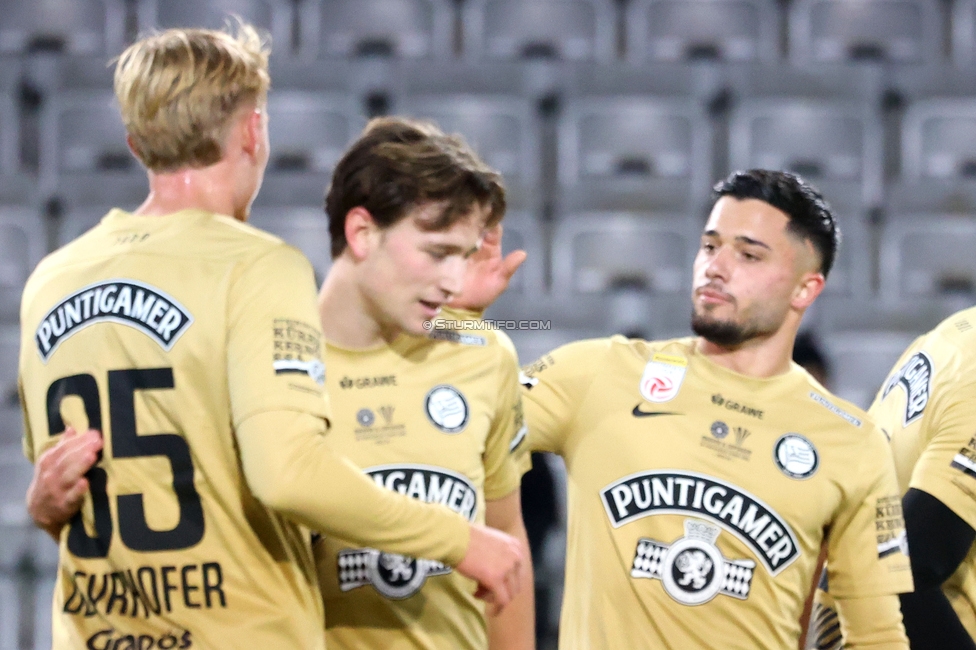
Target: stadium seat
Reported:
[(939, 140), (272, 16), (502, 130), (900, 31), (724, 30), (601, 252), (409, 29), (70, 26), (522, 231), (22, 245), (305, 228), (654, 150), (834, 144), (10, 74), (964, 32), (575, 30), (309, 131), (860, 361), (925, 255)]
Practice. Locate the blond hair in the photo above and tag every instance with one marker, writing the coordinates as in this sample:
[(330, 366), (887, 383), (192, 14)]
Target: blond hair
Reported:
[(178, 89)]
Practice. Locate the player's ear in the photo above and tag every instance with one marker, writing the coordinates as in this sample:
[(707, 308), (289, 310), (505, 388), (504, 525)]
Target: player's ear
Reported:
[(807, 289), (361, 232), (251, 132)]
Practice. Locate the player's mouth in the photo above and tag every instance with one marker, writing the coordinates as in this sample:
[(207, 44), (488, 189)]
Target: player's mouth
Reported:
[(709, 295), (430, 309)]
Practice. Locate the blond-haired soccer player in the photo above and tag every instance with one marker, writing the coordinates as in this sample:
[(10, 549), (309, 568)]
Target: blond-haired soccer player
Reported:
[(432, 413), (192, 341), (705, 472)]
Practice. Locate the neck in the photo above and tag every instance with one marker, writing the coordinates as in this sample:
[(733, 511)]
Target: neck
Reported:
[(763, 356), (210, 188), (348, 316)]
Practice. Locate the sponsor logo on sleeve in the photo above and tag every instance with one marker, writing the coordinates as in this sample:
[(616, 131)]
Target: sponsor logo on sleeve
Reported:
[(446, 408), (298, 349), (889, 526), (662, 377), (397, 576), (915, 377), (965, 460), (750, 520), (796, 456), (521, 427), (126, 302), (692, 568)]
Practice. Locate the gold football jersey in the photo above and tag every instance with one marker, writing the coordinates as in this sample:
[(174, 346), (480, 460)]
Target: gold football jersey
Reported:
[(698, 497), (165, 333), (927, 407), (438, 419)]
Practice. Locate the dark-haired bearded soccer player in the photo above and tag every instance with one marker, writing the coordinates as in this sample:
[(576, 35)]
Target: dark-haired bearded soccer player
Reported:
[(705, 472)]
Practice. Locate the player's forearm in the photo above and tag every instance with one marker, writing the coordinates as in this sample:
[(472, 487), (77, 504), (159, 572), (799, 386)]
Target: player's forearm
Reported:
[(932, 623), (514, 627), (290, 467), (872, 623)]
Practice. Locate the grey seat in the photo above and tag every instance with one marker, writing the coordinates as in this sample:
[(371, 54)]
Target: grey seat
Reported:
[(522, 231), (22, 245), (10, 72), (834, 144), (964, 32), (925, 255), (71, 26), (408, 29), (273, 16), (503, 130), (599, 252), (902, 31), (576, 30), (726, 30), (653, 148), (939, 139)]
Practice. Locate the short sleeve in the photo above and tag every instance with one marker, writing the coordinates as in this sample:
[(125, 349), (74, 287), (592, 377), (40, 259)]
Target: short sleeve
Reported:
[(946, 468), (505, 447), (554, 386), (274, 345), (866, 547)]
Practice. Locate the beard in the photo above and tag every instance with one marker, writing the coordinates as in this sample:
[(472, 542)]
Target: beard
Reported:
[(726, 334)]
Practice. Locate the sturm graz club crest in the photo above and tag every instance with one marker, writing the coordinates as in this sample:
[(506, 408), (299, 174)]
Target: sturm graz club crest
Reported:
[(692, 568), (398, 576), (916, 378), (446, 408)]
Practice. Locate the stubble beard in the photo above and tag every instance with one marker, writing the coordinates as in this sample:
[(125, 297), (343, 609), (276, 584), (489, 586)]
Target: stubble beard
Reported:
[(725, 333)]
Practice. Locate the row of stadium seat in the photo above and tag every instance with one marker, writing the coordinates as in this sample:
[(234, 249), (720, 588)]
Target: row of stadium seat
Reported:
[(640, 30), (644, 148)]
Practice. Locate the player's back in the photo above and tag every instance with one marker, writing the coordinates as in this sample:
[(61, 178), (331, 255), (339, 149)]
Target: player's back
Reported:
[(147, 328)]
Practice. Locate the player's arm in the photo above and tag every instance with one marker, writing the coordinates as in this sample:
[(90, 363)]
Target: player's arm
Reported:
[(866, 565), (939, 541), (513, 628), (278, 406)]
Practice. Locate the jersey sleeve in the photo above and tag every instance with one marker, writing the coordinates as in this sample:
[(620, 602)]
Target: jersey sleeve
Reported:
[(866, 548), (554, 386), (274, 346), (946, 468), (505, 453)]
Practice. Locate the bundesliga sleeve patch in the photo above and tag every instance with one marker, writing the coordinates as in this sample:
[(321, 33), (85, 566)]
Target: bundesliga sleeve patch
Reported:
[(126, 302)]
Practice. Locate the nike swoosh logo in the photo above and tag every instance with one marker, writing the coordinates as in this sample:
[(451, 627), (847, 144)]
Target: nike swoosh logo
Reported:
[(649, 414)]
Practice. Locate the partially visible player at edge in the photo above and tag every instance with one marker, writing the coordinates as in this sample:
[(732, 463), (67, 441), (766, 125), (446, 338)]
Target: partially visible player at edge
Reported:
[(435, 414), (192, 341), (705, 472), (927, 407)]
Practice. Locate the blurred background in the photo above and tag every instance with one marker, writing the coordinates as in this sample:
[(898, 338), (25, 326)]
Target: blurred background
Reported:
[(610, 120)]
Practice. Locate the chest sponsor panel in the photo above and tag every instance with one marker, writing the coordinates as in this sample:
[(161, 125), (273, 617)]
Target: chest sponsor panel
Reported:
[(396, 576), (673, 492)]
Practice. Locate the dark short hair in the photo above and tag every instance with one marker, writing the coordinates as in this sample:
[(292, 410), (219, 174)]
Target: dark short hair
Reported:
[(810, 216), (398, 164)]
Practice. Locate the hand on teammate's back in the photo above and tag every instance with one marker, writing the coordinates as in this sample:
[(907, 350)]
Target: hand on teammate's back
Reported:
[(488, 273), (59, 484), (493, 560)]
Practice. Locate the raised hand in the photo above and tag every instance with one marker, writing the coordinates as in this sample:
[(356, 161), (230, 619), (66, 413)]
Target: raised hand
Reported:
[(488, 273)]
